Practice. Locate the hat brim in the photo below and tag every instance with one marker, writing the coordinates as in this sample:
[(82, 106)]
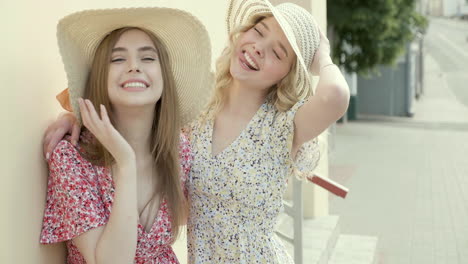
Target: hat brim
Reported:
[(184, 36)]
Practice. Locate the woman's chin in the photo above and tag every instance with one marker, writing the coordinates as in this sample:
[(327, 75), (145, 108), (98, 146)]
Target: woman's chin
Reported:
[(135, 103)]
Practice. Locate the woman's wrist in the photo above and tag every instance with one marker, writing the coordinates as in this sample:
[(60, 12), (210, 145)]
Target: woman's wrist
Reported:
[(327, 65), (325, 61)]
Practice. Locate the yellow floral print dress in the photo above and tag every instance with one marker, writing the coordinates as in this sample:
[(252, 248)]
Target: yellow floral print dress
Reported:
[(236, 196)]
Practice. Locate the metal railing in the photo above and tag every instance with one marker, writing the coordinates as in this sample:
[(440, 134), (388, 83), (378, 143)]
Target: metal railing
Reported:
[(296, 211)]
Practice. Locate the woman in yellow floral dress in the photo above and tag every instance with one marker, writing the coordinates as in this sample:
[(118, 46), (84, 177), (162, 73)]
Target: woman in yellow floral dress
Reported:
[(261, 114)]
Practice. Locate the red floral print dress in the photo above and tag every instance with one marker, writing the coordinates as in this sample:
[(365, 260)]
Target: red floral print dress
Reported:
[(80, 196)]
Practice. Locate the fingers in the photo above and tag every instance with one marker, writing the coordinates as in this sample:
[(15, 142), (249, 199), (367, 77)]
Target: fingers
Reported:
[(85, 114), (321, 33), (54, 140), (51, 140), (91, 119), (75, 133), (324, 37), (54, 133), (92, 112), (104, 115), (45, 142)]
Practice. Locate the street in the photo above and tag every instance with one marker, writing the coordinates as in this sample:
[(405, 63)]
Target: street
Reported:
[(408, 177), (447, 42)]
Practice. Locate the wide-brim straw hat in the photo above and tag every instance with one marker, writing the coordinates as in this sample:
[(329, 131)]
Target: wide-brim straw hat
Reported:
[(298, 25), (185, 37)]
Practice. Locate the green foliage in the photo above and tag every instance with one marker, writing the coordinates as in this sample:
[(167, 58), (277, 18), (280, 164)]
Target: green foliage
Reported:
[(370, 33)]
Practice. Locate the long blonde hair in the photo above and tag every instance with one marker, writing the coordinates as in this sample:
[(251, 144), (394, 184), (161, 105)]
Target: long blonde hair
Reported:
[(165, 130), (283, 94)]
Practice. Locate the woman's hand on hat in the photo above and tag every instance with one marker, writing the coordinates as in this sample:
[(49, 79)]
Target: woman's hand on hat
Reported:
[(322, 55), (104, 131), (65, 124)]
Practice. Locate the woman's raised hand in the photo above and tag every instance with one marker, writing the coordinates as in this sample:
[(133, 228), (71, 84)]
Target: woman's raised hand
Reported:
[(104, 131), (322, 55)]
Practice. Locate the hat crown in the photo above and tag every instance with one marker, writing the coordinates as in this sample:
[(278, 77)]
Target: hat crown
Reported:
[(304, 28)]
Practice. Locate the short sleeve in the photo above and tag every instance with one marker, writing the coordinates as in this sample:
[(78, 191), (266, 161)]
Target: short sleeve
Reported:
[(291, 113), (186, 159), (283, 122), (307, 158), (74, 203)]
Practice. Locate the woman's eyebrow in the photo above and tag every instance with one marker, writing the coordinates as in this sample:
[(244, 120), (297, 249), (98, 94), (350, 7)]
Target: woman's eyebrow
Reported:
[(145, 48), (118, 49)]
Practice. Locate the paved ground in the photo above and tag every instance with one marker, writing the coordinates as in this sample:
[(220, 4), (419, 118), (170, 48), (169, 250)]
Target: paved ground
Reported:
[(447, 42), (409, 176)]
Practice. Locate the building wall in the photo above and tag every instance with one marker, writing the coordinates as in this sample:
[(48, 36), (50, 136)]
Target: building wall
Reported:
[(435, 7), (32, 74), (446, 8), (452, 7), (464, 9)]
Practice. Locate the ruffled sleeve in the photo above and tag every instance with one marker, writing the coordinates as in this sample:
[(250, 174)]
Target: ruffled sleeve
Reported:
[(74, 204), (186, 159), (307, 159)]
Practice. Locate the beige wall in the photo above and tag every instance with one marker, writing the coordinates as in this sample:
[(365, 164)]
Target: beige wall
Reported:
[(32, 74), (316, 198)]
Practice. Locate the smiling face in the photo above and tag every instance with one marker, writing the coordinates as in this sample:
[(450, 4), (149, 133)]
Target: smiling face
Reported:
[(262, 55), (135, 77)]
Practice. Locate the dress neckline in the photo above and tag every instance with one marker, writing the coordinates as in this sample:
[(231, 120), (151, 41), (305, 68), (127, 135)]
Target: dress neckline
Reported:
[(163, 206), (157, 218), (210, 132)]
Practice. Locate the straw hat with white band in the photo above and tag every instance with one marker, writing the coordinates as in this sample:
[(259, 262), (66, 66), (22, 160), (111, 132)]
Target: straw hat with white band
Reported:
[(298, 25), (184, 36)]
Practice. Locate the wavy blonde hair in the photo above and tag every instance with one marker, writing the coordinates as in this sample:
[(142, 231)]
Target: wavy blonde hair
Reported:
[(283, 94)]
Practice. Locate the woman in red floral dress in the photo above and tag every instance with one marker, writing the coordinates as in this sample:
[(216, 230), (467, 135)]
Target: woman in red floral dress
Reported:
[(117, 195)]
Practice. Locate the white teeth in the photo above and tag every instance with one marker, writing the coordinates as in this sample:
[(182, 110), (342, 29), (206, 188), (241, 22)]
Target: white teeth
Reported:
[(250, 60), (134, 84)]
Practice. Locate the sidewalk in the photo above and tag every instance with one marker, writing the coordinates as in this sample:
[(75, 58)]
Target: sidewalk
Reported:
[(438, 103), (408, 179)]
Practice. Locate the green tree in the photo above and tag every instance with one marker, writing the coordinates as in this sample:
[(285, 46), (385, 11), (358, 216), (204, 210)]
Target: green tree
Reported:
[(369, 33)]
